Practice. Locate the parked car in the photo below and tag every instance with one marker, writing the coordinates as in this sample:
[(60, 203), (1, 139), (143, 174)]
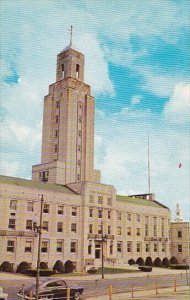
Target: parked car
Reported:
[(51, 289)]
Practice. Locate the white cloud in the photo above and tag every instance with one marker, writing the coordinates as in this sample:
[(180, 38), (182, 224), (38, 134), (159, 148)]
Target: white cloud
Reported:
[(177, 109), (136, 99)]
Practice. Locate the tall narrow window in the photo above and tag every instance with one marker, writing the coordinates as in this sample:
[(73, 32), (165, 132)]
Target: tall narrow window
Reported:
[(63, 70), (12, 224), (13, 204), (77, 70)]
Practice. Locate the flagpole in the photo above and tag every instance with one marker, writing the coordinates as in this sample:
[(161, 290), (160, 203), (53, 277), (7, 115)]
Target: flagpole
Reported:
[(148, 165)]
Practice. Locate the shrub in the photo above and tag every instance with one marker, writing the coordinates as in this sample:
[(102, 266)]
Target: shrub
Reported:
[(92, 270), (59, 266), (43, 266), (179, 267), (45, 273), (158, 262), (131, 262), (140, 261), (69, 267), (6, 266), (166, 262), (145, 268), (22, 267), (149, 261), (173, 260)]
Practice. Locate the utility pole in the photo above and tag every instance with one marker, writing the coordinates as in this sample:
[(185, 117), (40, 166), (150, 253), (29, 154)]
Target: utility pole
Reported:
[(38, 229), (102, 236)]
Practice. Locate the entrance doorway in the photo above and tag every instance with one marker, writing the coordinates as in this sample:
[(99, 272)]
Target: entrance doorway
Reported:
[(98, 250)]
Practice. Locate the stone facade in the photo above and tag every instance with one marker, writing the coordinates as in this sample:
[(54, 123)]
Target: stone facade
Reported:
[(81, 216)]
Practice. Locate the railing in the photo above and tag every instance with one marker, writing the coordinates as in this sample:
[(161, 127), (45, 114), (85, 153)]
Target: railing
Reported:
[(99, 236), (18, 233)]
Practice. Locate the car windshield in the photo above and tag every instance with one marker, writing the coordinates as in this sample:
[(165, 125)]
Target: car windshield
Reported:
[(31, 287)]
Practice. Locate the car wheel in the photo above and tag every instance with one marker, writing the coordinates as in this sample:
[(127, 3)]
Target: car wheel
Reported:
[(46, 297), (76, 296)]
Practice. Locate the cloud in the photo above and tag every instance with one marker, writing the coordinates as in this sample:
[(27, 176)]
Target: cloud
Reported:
[(136, 99), (177, 109)]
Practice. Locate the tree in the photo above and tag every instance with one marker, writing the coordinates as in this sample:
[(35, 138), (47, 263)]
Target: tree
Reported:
[(43, 265), (140, 261), (173, 260), (158, 262), (6, 266), (166, 262), (59, 266), (69, 267), (131, 262), (149, 261), (22, 267)]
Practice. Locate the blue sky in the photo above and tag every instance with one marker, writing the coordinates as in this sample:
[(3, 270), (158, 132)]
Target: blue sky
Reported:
[(137, 62)]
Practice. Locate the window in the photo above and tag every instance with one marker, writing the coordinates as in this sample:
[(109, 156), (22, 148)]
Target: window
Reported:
[(155, 226), (109, 201), (99, 229), (90, 212), (78, 162), (91, 198), (138, 247), (118, 230), (56, 133), (129, 246), (109, 229), (109, 214), (100, 199), (147, 248), (128, 217), (119, 247), (74, 227), (80, 119), (28, 246), (179, 248), (146, 226), (30, 206), (90, 228), (77, 70), (111, 247), (63, 70), (12, 223), (55, 148), (57, 104), (100, 213), (155, 247), (118, 215), (56, 119), (79, 148), (46, 208), (44, 247), (128, 230), (13, 204), (60, 209), (59, 247), (179, 234), (59, 227), (45, 225), (138, 232), (90, 247), (29, 224), (138, 218), (80, 133), (163, 247), (10, 246), (73, 247), (162, 227), (74, 211)]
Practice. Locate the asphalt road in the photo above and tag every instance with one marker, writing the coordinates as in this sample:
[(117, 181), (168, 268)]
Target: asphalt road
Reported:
[(100, 287)]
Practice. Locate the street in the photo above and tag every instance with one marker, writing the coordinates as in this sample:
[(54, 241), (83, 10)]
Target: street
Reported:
[(97, 287)]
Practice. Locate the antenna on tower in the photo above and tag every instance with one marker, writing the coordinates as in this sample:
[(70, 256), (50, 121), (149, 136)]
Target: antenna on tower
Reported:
[(148, 164), (71, 35)]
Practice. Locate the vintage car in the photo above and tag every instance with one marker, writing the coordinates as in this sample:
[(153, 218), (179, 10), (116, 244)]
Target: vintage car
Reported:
[(50, 290)]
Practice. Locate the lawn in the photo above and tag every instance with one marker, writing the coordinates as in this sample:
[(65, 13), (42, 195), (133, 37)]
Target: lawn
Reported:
[(115, 270)]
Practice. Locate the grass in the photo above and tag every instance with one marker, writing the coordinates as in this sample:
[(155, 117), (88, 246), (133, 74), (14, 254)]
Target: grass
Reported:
[(115, 271)]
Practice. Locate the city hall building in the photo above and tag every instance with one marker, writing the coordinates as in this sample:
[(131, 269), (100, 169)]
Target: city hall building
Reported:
[(81, 217)]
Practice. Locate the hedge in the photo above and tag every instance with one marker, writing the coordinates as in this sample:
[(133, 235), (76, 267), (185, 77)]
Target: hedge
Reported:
[(179, 267), (6, 266), (131, 262), (59, 266), (43, 272), (173, 260), (43, 265), (69, 267), (140, 261), (22, 267), (158, 262), (145, 268), (149, 261), (166, 262)]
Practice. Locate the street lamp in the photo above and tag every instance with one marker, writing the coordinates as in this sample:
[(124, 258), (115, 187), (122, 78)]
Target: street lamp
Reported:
[(103, 238), (38, 229)]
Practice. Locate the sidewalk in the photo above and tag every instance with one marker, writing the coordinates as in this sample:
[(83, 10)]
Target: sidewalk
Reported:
[(182, 293)]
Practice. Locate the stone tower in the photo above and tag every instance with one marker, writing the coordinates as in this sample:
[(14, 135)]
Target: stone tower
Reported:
[(68, 125)]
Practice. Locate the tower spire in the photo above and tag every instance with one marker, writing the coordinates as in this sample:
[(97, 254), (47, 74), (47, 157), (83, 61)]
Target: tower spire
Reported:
[(71, 36)]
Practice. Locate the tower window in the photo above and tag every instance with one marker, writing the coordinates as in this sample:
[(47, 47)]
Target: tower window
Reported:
[(55, 149), (56, 119), (77, 70), (63, 70)]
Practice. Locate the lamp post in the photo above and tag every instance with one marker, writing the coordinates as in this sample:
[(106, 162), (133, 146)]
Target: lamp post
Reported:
[(102, 238), (38, 229)]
